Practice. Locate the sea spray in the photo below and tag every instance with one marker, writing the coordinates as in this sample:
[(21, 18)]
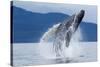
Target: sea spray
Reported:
[(50, 34), (75, 48), (47, 48)]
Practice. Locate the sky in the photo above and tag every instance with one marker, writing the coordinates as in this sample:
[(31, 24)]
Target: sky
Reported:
[(69, 9)]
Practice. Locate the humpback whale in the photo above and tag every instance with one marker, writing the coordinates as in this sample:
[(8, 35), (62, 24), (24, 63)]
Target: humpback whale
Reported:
[(61, 34), (67, 28)]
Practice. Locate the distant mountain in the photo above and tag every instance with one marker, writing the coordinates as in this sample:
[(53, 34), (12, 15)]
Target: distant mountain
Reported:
[(29, 26), (89, 31)]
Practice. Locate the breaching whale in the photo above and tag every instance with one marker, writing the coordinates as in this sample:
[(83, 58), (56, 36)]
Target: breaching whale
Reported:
[(67, 28), (61, 33)]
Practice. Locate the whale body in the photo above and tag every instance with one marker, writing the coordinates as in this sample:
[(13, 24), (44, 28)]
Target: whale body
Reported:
[(61, 34), (67, 28)]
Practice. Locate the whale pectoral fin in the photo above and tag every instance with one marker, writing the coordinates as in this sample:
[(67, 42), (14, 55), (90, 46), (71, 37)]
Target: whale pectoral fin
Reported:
[(67, 44), (68, 38)]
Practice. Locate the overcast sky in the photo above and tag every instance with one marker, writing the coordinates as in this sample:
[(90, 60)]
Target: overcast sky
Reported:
[(90, 10)]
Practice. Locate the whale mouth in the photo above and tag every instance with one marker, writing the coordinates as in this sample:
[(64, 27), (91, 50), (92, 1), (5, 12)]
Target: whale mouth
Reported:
[(78, 18)]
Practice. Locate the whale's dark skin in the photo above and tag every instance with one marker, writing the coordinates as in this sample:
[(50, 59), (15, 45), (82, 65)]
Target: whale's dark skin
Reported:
[(67, 28)]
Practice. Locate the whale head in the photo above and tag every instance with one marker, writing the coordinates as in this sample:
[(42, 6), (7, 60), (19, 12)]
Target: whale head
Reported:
[(74, 20)]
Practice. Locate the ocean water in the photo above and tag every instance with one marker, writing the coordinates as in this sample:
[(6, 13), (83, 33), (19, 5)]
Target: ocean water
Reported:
[(25, 54)]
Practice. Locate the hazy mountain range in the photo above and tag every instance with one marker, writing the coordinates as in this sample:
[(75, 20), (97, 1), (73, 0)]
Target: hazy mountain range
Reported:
[(29, 26)]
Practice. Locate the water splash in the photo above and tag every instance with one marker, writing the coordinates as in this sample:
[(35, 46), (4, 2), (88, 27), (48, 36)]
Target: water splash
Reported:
[(48, 50), (50, 34)]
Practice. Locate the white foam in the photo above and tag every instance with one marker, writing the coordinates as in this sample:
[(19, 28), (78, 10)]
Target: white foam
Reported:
[(47, 49)]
